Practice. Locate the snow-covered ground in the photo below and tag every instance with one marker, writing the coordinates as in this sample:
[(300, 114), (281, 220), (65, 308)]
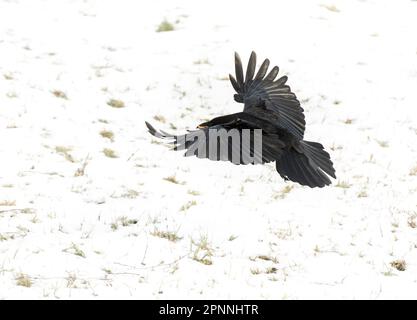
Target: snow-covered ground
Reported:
[(92, 206)]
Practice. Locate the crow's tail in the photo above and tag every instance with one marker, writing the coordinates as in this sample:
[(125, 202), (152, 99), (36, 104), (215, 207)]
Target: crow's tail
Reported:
[(307, 164)]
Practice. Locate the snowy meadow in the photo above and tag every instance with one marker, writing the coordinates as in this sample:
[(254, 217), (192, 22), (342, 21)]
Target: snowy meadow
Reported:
[(92, 206)]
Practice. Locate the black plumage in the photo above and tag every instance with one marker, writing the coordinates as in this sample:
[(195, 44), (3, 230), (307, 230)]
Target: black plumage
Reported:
[(271, 106)]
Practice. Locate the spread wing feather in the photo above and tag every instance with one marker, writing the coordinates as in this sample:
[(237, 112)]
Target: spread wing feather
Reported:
[(195, 140), (264, 91)]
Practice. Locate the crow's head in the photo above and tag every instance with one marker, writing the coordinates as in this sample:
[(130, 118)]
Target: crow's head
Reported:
[(204, 125)]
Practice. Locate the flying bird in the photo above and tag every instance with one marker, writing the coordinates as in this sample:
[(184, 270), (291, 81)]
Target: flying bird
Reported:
[(268, 105)]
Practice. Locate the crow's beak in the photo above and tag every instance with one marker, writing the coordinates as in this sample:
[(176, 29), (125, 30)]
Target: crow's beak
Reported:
[(201, 126)]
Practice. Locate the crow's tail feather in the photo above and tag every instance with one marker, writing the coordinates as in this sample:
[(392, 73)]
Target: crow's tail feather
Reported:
[(308, 165)]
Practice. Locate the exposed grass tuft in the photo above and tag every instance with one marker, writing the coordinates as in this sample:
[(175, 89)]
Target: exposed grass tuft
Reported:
[(11, 94), (255, 271), (107, 134), (8, 203), (123, 222), (400, 265), (330, 7), (130, 194), (114, 226), (116, 103), (172, 179), (160, 118), (270, 270), (193, 192), (343, 185), (76, 250), (362, 194), (284, 192), (169, 235), (267, 258), (71, 281), (8, 76), (202, 250), (383, 144), (81, 170), (412, 223), (165, 26), (59, 94), (65, 151), (23, 280), (110, 153), (188, 205)]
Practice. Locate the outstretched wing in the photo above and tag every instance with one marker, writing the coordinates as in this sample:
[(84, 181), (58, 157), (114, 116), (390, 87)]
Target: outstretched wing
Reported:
[(197, 143), (264, 91)]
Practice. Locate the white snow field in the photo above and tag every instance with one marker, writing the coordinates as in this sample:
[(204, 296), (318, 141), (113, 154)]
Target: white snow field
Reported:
[(92, 206)]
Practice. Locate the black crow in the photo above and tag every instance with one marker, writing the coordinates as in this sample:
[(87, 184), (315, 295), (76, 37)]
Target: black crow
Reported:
[(269, 105)]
